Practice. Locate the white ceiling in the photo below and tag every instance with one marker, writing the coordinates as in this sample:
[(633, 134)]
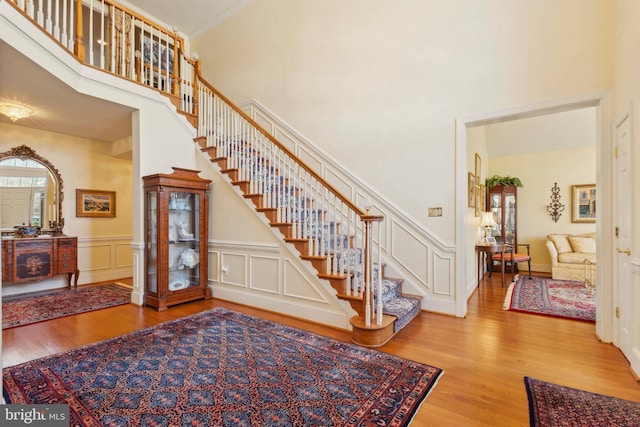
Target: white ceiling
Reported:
[(57, 107), (188, 17)]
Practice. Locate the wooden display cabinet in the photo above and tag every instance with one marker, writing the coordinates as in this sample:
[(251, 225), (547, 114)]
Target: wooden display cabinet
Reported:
[(502, 201), (176, 218)]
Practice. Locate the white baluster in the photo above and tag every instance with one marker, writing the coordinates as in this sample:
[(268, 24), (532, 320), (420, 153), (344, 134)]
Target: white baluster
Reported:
[(64, 35), (113, 39), (44, 22), (56, 21), (102, 42)]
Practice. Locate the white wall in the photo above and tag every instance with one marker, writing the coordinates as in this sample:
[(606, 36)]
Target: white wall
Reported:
[(379, 84)]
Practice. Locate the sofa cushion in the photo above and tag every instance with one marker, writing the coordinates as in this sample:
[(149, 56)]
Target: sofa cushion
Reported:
[(583, 244), (576, 257), (561, 242)]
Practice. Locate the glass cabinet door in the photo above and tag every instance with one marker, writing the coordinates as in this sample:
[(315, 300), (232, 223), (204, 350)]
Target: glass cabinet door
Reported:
[(152, 242), (509, 218), (183, 240), (495, 204)]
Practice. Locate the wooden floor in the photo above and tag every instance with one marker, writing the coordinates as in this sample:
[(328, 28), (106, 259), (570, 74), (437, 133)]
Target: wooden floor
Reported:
[(484, 356)]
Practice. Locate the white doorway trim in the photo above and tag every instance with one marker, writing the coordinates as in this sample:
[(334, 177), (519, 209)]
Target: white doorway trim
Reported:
[(604, 243)]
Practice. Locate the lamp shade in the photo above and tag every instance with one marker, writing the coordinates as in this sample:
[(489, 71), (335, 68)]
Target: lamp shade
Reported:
[(486, 219)]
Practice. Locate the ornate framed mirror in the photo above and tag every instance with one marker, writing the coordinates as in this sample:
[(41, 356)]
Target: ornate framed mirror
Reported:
[(31, 192)]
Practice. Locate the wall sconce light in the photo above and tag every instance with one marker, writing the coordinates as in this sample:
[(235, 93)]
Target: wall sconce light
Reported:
[(14, 111), (555, 207)]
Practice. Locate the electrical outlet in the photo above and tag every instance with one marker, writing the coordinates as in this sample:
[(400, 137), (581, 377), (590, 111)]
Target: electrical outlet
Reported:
[(435, 211)]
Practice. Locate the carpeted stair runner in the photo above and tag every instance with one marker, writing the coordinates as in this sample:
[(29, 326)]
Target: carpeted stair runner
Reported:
[(394, 303)]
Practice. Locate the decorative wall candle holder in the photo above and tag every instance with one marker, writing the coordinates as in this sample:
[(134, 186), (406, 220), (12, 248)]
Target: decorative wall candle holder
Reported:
[(555, 207)]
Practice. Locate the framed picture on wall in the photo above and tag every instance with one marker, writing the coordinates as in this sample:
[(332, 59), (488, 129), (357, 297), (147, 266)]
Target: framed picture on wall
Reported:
[(478, 167), (95, 203), (583, 203), (472, 190)]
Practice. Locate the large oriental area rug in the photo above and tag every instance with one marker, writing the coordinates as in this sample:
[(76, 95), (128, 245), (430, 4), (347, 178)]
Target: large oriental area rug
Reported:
[(223, 368), (551, 297), (553, 405), (23, 310)]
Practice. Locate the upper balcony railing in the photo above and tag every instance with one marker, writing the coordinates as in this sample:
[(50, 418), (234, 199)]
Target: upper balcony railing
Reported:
[(113, 38)]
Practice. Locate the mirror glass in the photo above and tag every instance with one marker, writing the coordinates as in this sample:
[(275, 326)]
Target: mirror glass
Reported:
[(30, 192)]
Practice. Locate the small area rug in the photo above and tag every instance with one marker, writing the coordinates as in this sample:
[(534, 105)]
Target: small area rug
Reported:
[(553, 405), (543, 295), (223, 368), (20, 310)]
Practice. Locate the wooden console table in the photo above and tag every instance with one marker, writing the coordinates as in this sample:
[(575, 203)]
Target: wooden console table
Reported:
[(485, 253), (39, 258)]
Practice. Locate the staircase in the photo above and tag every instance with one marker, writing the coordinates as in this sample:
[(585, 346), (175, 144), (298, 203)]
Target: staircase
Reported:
[(341, 241), (319, 232)]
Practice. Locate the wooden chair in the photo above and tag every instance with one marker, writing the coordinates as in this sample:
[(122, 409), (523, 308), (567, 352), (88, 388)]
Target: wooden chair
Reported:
[(512, 258)]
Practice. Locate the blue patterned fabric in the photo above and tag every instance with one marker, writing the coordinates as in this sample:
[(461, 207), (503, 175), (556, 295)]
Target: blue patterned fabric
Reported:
[(223, 368)]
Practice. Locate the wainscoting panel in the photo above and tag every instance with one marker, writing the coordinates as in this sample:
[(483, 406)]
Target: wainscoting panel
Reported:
[(442, 276), (124, 256), (275, 280), (297, 286), (338, 182), (233, 268), (285, 138), (101, 259), (264, 274), (409, 252), (310, 159)]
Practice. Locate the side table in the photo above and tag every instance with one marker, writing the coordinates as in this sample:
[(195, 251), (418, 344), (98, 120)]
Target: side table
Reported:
[(485, 252)]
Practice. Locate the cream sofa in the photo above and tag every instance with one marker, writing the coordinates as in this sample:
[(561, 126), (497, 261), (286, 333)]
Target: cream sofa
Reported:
[(568, 253)]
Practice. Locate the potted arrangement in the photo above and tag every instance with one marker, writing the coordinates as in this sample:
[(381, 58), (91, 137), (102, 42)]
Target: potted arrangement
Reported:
[(502, 180)]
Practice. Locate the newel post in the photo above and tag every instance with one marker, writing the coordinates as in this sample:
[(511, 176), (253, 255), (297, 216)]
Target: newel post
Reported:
[(78, 48), (367, 278)]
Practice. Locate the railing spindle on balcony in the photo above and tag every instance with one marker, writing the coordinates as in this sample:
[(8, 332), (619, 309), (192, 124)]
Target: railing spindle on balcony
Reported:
[(137, 49)]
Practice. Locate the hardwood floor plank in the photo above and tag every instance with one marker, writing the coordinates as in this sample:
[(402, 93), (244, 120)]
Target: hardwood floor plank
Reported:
[(484, 356)]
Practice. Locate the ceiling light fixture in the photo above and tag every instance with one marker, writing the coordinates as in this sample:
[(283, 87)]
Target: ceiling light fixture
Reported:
[(14, 111)]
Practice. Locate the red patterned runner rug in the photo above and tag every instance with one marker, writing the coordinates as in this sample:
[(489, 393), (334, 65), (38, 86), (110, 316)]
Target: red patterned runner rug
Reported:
[(556, 405), (223, 368), (23, 310), (551, 297)]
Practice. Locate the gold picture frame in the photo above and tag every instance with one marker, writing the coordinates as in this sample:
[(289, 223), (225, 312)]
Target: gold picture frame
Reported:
[(583, 203), (471, 190), (478, 168), (95, 203)]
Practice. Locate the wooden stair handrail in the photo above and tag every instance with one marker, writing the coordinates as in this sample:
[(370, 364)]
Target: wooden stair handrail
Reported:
[(363, 215)]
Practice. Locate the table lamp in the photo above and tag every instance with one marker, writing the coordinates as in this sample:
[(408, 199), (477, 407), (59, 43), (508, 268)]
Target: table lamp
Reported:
[(487, 221)]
